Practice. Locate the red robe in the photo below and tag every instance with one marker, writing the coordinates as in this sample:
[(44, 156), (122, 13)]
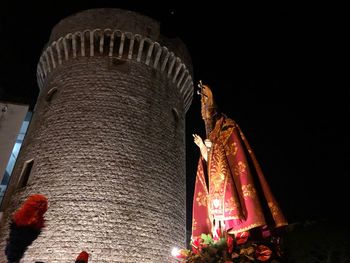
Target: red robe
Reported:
[(232, 195)]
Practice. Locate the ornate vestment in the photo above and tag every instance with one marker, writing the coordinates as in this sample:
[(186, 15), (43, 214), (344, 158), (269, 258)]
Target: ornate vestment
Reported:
[(238, 193)]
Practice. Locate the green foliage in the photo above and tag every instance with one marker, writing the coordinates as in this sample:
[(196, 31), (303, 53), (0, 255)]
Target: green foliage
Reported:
[(229, 250), (207, 239)]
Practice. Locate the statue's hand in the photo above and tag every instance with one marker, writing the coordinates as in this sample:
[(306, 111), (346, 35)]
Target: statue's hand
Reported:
[(198, 140)]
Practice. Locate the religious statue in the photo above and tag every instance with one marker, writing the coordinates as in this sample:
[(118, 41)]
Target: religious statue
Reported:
[(231, 193)]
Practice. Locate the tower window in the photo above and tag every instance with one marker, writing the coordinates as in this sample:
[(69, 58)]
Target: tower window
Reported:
[(50, 94), (27, 168), (175, 114)]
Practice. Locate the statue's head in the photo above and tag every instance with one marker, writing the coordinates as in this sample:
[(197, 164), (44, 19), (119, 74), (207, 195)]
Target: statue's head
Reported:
[(208, 106)]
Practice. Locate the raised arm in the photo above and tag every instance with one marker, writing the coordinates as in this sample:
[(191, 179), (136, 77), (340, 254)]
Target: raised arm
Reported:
[(199, 142)]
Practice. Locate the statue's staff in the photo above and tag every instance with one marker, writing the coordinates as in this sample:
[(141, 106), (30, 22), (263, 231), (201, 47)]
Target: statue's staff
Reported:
[(208, 112), (204, 106)]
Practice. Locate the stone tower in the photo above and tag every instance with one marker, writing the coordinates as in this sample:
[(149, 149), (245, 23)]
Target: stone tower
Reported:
[(106, 144)]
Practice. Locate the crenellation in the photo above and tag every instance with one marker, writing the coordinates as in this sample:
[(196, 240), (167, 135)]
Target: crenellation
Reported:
[(147, 51), (171, 64), (178, 67), (158, 49)]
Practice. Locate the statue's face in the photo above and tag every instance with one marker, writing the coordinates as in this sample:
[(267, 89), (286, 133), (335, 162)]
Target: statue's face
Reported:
[(207, 103)]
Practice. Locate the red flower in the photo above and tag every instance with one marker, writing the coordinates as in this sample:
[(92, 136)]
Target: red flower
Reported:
[(263, 253), (197, 245), (229, 242), (242, 237), (31, 212), (82, 258), (266, 232)]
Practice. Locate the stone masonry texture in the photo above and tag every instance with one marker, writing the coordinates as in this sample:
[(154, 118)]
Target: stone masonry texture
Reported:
[(108, 142)]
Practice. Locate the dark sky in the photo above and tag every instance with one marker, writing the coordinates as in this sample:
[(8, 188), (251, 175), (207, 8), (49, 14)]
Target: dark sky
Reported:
[(277, 70)]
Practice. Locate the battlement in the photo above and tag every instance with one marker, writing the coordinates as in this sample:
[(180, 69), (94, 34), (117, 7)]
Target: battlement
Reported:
[(115, 44)]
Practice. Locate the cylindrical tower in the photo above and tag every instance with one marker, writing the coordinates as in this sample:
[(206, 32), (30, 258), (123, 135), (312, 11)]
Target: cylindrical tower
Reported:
[(106, 144)]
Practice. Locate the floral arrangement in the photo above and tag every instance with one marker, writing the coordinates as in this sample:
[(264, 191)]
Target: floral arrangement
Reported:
[(82, 257), (206, 249), (26, 225)]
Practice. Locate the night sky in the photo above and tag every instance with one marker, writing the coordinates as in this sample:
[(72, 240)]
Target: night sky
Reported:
[(276, 70)]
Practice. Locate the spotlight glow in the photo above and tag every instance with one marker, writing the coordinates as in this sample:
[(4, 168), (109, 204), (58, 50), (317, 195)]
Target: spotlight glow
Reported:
[(175, 252)]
